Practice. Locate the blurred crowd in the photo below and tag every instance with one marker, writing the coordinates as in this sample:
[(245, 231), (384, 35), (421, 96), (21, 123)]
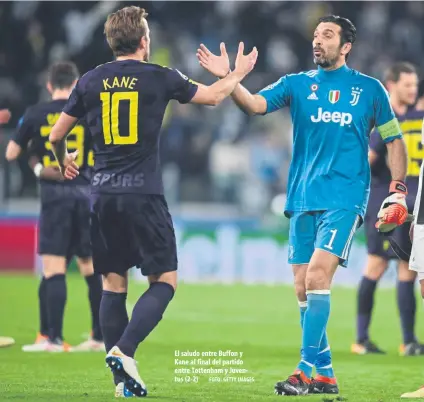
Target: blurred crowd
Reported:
[(208, 154)]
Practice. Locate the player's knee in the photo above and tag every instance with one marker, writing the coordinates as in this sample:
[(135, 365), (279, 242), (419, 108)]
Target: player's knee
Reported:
[(300, 288), (299, 273), (317, 278), (300, 292), (167, 277), (404, 273), (85, 266), (375, 268), (317, 281), (53, 265), (321, 270), (113, 282)]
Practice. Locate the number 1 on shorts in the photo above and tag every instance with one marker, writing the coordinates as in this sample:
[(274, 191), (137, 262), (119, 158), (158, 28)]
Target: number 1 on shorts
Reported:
[(330, 243)]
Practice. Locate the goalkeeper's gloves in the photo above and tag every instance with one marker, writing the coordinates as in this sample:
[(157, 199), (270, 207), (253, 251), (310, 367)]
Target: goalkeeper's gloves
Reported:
[(393, 211)]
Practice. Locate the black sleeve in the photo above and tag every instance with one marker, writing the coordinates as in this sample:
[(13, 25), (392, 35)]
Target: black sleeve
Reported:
[(75, 105), (180, 87), (25, 130), (34, 147)]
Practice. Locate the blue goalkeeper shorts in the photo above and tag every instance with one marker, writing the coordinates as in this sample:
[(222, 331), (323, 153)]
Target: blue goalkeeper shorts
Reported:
[(330, 230)]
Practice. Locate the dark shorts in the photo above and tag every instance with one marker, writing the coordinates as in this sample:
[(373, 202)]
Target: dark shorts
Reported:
[(378, 244), (64, 228), (132, 230)]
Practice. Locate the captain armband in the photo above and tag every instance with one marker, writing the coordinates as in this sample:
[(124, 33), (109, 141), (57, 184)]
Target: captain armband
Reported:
[(390, 130)]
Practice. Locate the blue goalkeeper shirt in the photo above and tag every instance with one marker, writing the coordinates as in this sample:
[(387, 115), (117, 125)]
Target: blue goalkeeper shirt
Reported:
[(333, 113)]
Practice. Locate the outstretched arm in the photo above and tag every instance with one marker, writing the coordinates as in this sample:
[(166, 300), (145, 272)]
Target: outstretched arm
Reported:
[(248, 102), (218, 91), (219, 66)]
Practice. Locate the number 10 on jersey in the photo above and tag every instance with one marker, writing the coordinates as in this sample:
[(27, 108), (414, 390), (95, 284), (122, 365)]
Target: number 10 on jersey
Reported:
[(110, 117)]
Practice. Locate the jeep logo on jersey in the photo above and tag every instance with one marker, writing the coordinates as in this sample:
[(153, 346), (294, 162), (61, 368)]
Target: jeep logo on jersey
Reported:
[(334, 96), (332, 117)]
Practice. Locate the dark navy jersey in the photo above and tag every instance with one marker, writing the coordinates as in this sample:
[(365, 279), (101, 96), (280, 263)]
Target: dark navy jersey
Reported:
[(410, 124), (124, 103), (33, 132)]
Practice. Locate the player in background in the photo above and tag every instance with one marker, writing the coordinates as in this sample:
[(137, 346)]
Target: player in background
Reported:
[(63, 229), (402, 83), (4, 119), (420, 101), (416, 262), (333, 110), (124, 102)]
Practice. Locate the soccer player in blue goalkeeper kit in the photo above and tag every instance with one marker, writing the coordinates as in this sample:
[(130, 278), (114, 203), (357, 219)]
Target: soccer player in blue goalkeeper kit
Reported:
[(334, 109)]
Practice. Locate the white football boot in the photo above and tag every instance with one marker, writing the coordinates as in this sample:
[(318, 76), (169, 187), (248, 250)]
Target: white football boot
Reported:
[(122, 392), (6, 341), (42, 344), (126, 367), (90, 345), (419, 393)]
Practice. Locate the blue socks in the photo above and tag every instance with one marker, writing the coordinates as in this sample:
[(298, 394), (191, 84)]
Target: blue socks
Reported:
[(315, 348), (323, 362)]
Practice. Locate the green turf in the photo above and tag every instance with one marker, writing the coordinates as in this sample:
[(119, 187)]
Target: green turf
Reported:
[(262, 322)]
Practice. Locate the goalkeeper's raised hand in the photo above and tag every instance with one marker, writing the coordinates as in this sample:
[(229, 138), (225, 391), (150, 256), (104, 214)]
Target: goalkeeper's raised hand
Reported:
[(219, 66), (393, 211)]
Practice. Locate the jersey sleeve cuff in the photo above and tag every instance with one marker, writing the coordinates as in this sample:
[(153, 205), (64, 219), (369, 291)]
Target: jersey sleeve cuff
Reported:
[(19, 141), (267, 104), (71, 113), (193, 89), (392, 138)]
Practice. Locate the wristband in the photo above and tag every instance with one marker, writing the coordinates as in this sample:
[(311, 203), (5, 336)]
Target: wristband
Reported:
[(397, 186), (37, 169)]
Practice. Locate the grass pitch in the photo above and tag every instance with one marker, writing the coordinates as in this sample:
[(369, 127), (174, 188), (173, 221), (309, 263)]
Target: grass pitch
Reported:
[(261, 322)]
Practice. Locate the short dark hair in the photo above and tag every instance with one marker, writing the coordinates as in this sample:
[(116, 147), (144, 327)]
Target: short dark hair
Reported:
[(421, 89), (124, 30), (348, 30), (394, 71), (62, 74)]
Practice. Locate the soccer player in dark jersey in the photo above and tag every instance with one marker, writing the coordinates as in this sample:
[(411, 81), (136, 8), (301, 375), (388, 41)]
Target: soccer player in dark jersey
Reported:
[(402, 84), (124, 103), (64, 229)]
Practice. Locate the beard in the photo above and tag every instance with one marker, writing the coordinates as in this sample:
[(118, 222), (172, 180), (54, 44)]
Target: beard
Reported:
[(324, 60)]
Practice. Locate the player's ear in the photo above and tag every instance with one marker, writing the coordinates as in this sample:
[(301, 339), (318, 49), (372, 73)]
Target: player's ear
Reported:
[(49, 87), (389, 85), (144, 42), (346, 48)]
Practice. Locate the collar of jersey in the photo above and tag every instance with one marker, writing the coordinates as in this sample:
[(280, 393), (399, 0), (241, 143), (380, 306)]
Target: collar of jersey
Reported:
[(332, 74)]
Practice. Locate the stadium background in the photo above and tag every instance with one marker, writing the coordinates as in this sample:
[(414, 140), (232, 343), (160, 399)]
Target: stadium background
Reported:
[(225, 174)]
